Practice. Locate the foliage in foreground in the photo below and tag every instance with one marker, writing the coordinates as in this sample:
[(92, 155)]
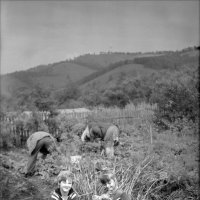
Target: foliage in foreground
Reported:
[(165, 167), (149, 165)]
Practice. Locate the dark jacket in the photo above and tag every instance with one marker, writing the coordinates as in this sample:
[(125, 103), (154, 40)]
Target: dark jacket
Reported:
[(56, 195), (97, 130), (104, 131)]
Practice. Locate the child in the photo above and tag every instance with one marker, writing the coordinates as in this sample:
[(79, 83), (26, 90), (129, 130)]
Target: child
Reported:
[(64, 190), (114, 193)]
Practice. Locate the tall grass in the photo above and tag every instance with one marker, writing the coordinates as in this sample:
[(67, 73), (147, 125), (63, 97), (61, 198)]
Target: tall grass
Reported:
[(143, 180)]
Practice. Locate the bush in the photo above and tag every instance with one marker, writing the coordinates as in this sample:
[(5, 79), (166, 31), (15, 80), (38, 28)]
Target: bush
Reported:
[(177, 98), (6, 136), (66, 123)]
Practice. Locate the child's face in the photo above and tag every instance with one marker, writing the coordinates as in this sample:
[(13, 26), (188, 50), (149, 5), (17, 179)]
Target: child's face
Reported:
[(65, 185), (111, 185)]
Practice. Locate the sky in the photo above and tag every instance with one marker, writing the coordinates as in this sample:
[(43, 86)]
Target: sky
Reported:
[(43, 32)]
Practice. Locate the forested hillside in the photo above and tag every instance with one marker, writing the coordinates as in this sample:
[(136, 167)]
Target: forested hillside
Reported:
[(53, 76), (112, 79), (56, 76)]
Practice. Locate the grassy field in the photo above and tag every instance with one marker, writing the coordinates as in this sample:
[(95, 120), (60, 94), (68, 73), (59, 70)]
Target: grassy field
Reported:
[(130, 70), (149, 164)]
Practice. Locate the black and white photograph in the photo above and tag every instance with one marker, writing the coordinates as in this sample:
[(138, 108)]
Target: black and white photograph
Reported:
[(99, 99)]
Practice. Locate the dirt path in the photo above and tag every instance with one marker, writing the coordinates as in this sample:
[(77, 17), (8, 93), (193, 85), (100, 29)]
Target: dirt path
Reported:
[(14, 185)]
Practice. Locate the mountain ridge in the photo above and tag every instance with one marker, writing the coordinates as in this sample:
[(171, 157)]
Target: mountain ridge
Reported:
[(82, 69)]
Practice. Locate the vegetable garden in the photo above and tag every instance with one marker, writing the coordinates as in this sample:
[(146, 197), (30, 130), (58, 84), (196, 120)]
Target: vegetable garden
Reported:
[(150, 163)]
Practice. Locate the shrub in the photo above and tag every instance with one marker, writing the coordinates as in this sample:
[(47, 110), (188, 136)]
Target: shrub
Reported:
[(65, 123), (6, 136), (177, 98)]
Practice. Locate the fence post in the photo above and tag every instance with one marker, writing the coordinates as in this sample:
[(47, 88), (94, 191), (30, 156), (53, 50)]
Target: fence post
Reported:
[(18, 137)]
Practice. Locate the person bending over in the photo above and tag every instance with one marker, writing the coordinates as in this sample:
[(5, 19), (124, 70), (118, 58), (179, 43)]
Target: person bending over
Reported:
[(42, 142), (106, 132)]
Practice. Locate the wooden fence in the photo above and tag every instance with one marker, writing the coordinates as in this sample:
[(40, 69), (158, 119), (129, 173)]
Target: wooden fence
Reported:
[(121, 117), (21, 135)]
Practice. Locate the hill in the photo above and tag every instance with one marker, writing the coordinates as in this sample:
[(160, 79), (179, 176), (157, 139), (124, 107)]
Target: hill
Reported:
[(57, 75), (141, 65), (102, 60), (112, 76), (100, 70), (9, 84), (52, 76)]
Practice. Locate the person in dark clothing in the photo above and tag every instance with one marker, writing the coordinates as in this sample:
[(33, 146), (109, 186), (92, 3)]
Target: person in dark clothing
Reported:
[(114, 193), (107, 133), (64, 190), (42, 142)]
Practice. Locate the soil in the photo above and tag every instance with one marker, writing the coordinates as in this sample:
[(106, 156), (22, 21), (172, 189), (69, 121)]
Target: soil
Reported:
[(14, 185)]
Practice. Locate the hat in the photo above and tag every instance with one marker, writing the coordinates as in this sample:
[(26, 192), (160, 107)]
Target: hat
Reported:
[(63, 175)]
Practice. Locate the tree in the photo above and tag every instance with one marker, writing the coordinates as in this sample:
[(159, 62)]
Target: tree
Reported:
[(115, 97), (43, 99), (70, 91), (177, 95)]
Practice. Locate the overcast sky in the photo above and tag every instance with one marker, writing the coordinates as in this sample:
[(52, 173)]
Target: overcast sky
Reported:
[(43, 32)]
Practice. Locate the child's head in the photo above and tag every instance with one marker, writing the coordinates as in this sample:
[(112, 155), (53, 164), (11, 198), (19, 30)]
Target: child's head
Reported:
[(110, 181), (65, 181)]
